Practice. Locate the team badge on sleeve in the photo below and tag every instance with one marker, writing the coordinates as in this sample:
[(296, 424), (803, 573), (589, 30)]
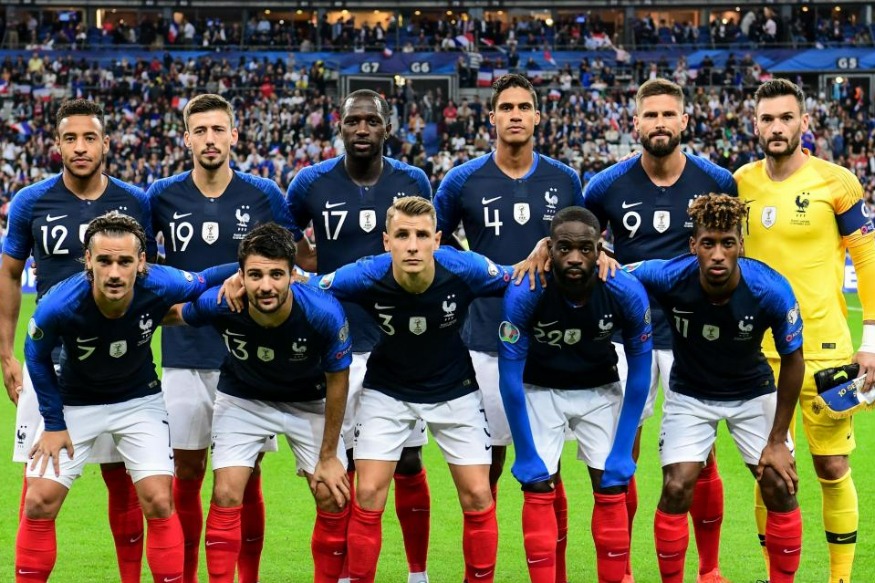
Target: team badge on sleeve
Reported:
[(188, 277), (793, 314), (647, 316), (509, 333), (326, 281), (491, 268), (344, 332), (34, 331)]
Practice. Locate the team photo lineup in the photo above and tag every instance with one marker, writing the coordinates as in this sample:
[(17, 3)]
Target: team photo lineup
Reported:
[(503, 314)]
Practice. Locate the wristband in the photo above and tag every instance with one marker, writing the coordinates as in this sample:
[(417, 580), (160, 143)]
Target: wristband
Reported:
[(868, 344)]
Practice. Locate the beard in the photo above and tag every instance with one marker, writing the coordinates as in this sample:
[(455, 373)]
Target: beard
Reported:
[(661, 150), (211, 165), (86, 174), (280, 302), (792, 146)]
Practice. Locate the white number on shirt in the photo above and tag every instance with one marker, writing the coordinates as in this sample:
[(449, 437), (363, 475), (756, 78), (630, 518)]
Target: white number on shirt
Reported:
[(182, 232), (495, 222), (327, 216), (632, 222), (58, 234)]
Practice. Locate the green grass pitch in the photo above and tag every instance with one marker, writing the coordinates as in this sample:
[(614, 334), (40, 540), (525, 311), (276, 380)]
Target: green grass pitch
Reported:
[(86, 551)]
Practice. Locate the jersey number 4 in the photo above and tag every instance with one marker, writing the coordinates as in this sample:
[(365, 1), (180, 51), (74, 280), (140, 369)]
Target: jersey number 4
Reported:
[(495, 222)]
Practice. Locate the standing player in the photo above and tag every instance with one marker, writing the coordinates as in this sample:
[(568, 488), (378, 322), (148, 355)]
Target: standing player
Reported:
[(644, 201), (803, 214), (104, 318), (558, 370), (48, 220), (505, 201), (203, 214), (346, 199), (722, 304), (287, 372), (420, 371)]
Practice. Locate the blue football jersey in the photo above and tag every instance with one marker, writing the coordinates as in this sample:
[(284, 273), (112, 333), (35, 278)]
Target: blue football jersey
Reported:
[(503, 219), (286, 363), (48, 221), (420, 356), (717, 348), (104, 360), (200, 231), (349, 220), (567, 346), (649, 221)]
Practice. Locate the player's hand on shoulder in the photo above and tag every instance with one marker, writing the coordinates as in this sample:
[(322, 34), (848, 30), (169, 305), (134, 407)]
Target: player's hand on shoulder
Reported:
[(12, 378), (535, 265), (530, 471), (866, 360), (607, 266), (779, 458), (232, 291), (48, 448), (330, 473)]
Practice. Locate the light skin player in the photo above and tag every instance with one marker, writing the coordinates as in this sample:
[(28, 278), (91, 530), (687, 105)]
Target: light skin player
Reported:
[(804, 214)]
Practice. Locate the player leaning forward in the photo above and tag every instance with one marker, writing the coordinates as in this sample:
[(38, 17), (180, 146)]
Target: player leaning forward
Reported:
[(721, 305), (287, 372), (104, 318)]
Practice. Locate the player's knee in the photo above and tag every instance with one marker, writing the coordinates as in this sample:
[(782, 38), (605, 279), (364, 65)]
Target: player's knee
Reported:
[(476, 498), (156, 501), (41, 503), (325, 499), (190, 464), (831, 467), (410, 462), (677, 495), (226, 495), (776, 495)]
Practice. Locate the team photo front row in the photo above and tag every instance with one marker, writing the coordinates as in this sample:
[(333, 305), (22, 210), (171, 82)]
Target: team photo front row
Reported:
[(287, 372)]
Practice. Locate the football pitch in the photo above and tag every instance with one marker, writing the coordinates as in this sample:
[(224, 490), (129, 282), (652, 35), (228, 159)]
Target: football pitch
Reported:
[(86, 551)]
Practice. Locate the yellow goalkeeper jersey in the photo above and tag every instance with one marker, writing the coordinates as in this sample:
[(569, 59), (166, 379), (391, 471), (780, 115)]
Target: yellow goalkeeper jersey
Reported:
[(793, 226)]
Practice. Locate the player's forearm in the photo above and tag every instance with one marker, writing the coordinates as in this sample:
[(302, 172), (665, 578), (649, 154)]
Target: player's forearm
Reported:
[(45, 384), (789, 385), (336, 393), (862, 253), (634, 399), (10, 309), (217, 275), (510, 384)]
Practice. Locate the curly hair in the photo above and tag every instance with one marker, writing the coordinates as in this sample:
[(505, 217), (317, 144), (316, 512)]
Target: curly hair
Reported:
[(717, 212)]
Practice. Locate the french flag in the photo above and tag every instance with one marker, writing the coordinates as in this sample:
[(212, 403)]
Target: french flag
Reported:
[(22, 127), (172, 32), (548, 56), (4, 86), (484, 79), (465, 40)]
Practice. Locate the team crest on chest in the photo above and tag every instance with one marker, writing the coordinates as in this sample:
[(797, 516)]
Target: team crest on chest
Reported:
[(449, 306), (769, 216), (299, 349), (367, 220), (265, 354), (118, 349), (210, 232), (710, 332), (242, 216), (145, 325), (661, 221), (521, 212), (417, 325)]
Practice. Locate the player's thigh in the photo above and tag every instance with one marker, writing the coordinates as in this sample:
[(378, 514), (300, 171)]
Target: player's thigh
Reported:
[(826, 436), (304, 427), (593, 415), (190, 396), (84, 424), (142, 431), (384, 424), (750, 422), (689, 428), (548, 422), (240, 429), (486, 367), (356, 376), (459, 428)]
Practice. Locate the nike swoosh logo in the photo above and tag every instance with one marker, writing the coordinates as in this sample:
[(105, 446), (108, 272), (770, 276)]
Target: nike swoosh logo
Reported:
[(171, 579), (486, 201), (842, 539), (614, 555), (338, 553), (51, 219), (23, 572), (709, 521), (229, 333), (210, 543), (531, 562), (420, 510), (841, 375), (84, 340), (792, 551), (136, 538), (379, 307), (676, 311), (559, 540), (253, 539), (542, 324), (178, 216), (629, 205), (481, 575), (331, 205), (671, 556)]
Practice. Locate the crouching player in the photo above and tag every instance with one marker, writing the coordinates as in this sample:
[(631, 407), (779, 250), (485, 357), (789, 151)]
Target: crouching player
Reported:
[(287, 372), (104, 318), (558, 370), (721, 305), (420, 369)]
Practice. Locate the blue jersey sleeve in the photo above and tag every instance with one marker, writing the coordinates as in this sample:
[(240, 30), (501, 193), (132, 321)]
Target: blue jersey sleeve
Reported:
[(484, 277), (279, 210), (447, 201), (296, 197), (176, 285), (658, 275), (779, 302), (513, 333), (42, 337), (327, 317), (201, 311), (19, 239), (348, 282), (856, 217)]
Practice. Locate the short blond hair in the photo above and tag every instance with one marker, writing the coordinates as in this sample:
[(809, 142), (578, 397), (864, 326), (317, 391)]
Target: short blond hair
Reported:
[(204, 103), (412, 206)]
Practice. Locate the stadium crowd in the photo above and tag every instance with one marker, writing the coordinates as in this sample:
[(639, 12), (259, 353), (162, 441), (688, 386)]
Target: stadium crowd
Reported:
[(288, 120)]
